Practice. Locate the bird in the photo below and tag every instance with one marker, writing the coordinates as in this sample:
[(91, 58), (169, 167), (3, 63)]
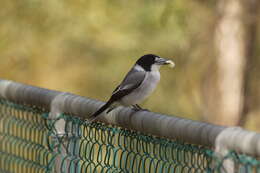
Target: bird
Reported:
[(137, 85)]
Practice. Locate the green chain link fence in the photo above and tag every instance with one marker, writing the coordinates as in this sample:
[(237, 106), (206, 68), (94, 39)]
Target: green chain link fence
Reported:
[(30, 143)]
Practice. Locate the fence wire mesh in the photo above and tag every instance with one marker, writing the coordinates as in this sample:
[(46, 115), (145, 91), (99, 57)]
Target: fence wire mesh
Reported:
[(29, 143)]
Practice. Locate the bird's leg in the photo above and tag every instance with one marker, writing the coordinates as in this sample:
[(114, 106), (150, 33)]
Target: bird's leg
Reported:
[(139, 108), (136, 108)]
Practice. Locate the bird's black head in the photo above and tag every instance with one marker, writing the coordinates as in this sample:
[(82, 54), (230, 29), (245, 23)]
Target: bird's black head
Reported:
[(147, 61), (150, 60)]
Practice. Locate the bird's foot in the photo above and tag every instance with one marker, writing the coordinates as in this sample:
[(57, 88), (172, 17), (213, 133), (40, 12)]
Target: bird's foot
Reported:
[(136, 108)]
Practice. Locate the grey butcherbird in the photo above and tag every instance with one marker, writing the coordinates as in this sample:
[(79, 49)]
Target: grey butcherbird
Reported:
[(137, 85)]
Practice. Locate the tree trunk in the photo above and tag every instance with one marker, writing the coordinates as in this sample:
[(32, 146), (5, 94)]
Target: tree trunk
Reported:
[(225, 94)]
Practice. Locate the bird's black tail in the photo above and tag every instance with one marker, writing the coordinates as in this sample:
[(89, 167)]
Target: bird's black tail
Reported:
[(99, 111)]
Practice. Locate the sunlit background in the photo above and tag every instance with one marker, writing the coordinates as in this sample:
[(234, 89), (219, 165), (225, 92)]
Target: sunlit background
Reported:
[(87, 46)]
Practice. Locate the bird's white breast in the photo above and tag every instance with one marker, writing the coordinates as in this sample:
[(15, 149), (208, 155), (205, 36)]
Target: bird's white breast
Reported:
[(144, 90)]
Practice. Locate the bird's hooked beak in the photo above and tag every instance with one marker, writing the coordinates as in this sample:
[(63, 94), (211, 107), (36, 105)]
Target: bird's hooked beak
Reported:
[(163, 61)]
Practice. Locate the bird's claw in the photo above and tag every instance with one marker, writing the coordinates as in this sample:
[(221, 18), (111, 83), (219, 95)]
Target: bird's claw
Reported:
[(138, 108)]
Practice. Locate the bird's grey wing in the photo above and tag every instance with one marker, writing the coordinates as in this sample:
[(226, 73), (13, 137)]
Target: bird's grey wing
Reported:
[(132, 81)]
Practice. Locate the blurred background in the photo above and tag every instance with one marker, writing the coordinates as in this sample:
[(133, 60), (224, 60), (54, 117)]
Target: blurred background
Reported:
[(87, 46)]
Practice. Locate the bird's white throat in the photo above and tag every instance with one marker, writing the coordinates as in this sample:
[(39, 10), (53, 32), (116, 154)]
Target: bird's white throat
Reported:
[(155, 67)]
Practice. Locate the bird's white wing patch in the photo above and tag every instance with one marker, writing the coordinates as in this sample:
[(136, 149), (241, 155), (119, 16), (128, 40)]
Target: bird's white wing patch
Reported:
[(123, 88), (127, 86)]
